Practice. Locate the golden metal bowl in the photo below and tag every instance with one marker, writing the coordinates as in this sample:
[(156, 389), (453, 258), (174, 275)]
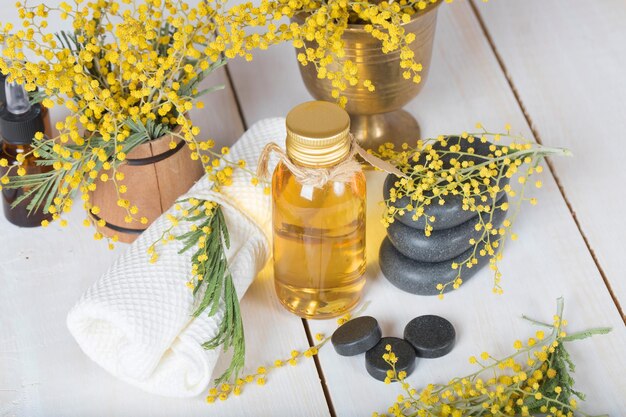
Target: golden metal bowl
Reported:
[(377, 117)]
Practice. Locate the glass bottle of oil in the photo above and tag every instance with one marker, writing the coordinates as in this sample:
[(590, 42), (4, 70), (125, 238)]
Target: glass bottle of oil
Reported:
[(319, 232), (19, 122)]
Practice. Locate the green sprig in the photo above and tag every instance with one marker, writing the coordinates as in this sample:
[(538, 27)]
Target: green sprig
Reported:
[(214, 284), (471, 395)]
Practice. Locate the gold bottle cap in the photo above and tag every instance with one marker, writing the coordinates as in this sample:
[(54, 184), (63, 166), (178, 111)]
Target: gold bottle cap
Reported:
[(318, 134)]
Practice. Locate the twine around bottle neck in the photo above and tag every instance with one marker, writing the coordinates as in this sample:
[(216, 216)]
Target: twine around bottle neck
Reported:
[(319, 177)]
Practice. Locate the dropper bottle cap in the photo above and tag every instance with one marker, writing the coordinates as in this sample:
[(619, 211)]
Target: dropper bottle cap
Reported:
[(19, 121)]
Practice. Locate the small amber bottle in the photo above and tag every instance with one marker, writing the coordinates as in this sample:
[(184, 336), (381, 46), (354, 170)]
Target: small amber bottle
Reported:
[(19, 122), (319, 232)]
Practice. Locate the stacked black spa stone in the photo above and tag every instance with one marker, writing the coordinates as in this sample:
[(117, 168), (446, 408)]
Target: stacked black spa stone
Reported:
[(416, 263)]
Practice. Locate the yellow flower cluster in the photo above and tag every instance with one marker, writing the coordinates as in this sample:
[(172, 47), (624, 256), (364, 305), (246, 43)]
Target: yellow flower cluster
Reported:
[(534, 380), (320, 38), (190, 210), (127, 75), (128, 72), (438, 170), (317, 27), (223, 391)]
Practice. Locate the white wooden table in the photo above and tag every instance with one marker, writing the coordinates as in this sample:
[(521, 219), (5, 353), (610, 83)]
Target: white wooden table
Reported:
[(553, 69)]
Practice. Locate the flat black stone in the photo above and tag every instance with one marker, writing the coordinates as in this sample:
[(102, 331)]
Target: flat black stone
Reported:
[(376, 365), (451, 213), (441, 245), (356, 336), (421, 278), (431, 336)]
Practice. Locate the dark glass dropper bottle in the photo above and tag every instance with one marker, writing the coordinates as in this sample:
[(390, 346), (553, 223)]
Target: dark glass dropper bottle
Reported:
[(3, 95), (19, 122)]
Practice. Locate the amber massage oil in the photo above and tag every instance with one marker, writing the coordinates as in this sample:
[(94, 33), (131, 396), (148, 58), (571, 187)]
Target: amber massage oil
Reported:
[(318, 232)]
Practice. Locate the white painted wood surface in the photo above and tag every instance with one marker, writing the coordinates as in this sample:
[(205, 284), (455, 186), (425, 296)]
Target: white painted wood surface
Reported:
[(43, 373), (567, 59)]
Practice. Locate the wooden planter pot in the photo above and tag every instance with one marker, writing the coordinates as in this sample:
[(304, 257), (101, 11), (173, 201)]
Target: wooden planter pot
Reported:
[(155, 176)]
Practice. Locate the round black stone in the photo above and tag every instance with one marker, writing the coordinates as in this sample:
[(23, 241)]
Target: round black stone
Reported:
[(356, 336), (421, 278), (447, 215), (441, 245), (431, 336), (376, 365), (451, 213)]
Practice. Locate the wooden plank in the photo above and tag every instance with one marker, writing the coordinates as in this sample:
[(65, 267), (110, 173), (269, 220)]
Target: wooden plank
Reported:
[(143, 191), (465, 85), (566, 60), (44, 272)]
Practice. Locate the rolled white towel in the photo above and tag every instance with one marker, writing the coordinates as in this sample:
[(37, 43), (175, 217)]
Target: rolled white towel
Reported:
[(135, 321)]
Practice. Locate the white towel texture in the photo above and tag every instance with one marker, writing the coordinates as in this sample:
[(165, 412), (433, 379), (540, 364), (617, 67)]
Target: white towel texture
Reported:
[(135, 321)]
